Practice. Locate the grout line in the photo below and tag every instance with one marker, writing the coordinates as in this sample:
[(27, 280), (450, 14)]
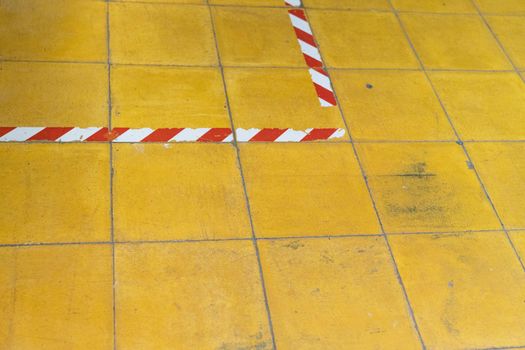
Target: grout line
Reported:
[(341, 9), (500, 44), (459, 141), (246, 67), (274, 238), (376, 211), (197, 240), (111, 179), (501, 348), (241, 173), (46, 244)]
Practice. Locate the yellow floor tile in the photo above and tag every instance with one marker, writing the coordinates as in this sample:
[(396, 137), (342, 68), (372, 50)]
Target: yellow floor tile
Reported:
[(335, 294), (454, 42), (426, 187), (502, 6), (49, 94), (518, 238), (510, 31), (256, 37), (248, 2), (361, 40), (277, 98), (466, 290), (381, 105), (501, 167), (161, 34), (190, 296), (441, 6), (56, 298), (197, 2), (306, 190), (484, 106), (182, 191), (54, 193), (168, 97), (53, 30), (348, 4)]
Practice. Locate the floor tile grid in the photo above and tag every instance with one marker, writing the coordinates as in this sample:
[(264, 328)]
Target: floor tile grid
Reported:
[(111, 172), (376, 211), (500, 44), (238, 156), (175, 241), (459, 141), (320, 8), (257, 67)]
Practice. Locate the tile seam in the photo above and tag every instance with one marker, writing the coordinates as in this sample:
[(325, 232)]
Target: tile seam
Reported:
[(243, 183), (408, 304), (456, 132)]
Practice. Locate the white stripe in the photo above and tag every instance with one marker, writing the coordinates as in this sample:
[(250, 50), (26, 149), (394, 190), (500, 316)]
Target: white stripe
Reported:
[(338, 133), (310, 50), (228, 138), (300, 24), (78, 134), (324, 103), (133, 135), (21, 134), (291, 135), (189, 134), (244, 135), (295, 3), (320, 79)]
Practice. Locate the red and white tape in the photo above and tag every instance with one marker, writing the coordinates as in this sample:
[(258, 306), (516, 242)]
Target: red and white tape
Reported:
[(311, 54), (101, 134)]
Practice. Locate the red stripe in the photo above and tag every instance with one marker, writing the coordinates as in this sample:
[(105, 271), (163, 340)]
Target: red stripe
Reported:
[(116, 132), (49, 134), (321, 70), (325, 94), (307, 38), (105, 135), (298, 13), (319, 134), (162, 135), (215, 135), (268, 135), (312, 62), (101, 135), (4, 130)]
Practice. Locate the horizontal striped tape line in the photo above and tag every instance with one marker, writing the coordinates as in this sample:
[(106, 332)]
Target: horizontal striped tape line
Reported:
[(312, 57), (293, 3), (143, 135)]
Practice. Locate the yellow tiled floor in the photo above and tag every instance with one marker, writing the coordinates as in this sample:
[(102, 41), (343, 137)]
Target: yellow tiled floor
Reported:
[(278, 97), (483, 106), (162, 300), (168, 97), (377, 103), (56, 297), (426, 188), (318, 191), (243, 34), (407, 232), (454, 42), (189, 191), (54, 193), (475, 285), (367, 40), (335, 294), (60, 94)]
